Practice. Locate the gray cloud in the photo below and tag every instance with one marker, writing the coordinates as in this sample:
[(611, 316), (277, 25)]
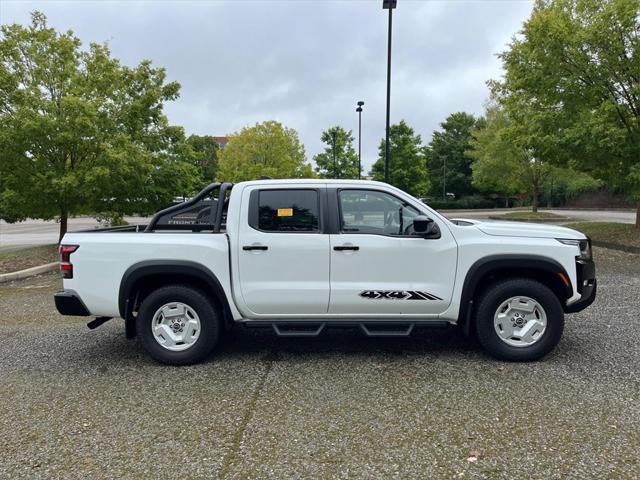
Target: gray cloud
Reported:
[(304, 63)]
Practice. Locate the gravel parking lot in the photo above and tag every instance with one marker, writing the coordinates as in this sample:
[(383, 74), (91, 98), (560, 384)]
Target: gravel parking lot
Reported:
[(76, 403)]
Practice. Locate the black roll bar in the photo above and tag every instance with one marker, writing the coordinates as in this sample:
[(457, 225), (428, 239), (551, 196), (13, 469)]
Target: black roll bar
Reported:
[(217, 225), (216, 219)]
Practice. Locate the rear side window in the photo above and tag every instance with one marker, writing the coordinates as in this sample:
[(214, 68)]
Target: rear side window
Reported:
[(288, 210)]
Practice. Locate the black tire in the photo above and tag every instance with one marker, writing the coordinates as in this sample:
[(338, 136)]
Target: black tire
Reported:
[(501, 291), (203, 307)]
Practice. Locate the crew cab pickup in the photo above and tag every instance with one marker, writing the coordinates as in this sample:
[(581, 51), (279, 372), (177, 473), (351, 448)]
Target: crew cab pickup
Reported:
[(300, 256)]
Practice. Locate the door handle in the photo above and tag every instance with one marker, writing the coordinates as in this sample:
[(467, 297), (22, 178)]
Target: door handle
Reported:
[(255, 247), (342, 248)]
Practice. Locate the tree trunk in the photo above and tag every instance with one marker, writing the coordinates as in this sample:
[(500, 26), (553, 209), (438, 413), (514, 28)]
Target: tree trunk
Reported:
[(63, 225), (534, 200), (506, 201), (638, 215)]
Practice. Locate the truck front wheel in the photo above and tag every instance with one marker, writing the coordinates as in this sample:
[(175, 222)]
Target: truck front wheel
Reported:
[(519, 319), (178, 325)]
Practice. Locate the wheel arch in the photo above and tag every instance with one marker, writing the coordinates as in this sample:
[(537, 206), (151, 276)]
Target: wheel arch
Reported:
[(142, 278), (495, 267)]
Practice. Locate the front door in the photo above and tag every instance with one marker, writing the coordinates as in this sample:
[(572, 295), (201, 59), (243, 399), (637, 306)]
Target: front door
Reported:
[(380, 266), (283, 256)]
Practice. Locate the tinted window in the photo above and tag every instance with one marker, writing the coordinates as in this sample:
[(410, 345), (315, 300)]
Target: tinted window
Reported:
[(365, 211), (288, 210)]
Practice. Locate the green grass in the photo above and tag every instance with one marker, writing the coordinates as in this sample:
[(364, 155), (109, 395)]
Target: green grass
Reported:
[(528, 215), (618, 233), (16, 260)]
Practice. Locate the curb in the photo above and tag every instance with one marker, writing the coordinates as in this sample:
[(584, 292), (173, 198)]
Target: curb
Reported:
[(29, 272)]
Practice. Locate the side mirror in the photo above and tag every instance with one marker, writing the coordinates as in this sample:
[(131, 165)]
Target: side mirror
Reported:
[(423, 224)]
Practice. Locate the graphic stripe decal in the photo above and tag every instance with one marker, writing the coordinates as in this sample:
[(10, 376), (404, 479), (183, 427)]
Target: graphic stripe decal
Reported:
[(398, 295)]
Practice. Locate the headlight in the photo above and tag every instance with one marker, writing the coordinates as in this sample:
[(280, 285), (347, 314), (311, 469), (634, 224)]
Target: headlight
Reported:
[(583, 245)]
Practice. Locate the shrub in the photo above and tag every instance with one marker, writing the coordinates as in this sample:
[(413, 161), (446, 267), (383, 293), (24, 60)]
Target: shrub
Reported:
[(465, 203), (111, 219)]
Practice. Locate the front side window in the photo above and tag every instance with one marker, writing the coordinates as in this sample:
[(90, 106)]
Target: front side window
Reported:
[(367, 211), (288, 210)]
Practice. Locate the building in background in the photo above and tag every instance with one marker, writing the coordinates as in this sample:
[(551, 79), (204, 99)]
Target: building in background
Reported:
[(222, 141)]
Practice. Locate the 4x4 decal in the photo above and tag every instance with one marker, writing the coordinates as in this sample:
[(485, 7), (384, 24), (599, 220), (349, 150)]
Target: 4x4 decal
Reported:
[(397, 295)]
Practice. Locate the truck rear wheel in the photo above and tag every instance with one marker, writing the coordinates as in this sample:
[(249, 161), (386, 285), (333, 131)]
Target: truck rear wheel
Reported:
[(519, 319), (178, 325)]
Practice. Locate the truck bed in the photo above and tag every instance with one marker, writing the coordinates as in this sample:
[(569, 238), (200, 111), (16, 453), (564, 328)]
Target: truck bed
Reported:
[(104, 256), (121, 229)]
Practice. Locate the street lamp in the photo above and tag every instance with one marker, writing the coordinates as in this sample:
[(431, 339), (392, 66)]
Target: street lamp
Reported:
[(359, 110), (388, 5)]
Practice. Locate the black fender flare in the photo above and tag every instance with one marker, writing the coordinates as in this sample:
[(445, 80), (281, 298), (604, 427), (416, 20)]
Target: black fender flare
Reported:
[(140, 270), (494, 263)]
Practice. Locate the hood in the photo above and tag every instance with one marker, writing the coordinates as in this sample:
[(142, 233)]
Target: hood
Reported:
[(523, 229)]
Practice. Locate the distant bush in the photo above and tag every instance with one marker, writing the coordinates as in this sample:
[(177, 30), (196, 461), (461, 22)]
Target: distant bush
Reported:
[(566, 185), (465, 203), (111, 219)]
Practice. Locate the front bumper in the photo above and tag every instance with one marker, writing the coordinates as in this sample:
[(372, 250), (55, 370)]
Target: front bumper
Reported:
[(68, 302), (587, 285)]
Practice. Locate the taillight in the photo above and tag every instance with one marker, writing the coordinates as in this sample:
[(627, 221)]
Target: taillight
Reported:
[(66, 268)]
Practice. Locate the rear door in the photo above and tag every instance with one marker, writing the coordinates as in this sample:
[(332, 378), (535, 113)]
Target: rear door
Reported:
[(283, 255)]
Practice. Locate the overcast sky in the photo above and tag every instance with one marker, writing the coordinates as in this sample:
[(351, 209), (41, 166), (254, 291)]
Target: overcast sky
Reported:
[(304, 63)]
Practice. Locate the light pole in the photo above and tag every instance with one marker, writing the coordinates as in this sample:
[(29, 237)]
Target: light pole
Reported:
[(359, 110), (388, 5)]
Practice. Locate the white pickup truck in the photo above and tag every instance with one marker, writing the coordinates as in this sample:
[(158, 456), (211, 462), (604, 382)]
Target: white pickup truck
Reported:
[(303, 255)]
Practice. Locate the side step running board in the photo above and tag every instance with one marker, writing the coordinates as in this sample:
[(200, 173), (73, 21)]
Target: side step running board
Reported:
[(386, 330), (93, 324), (371, 328), (298, 330)]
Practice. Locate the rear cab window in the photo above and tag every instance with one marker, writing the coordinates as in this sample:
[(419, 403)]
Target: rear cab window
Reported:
[(285, 210)]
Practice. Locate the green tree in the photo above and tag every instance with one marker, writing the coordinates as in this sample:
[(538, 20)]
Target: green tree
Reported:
[(502, 164), (268, 149), (204, 157), (493, 152), (339, 159), (447, 158), (572, 87), (407, 169), (81, 133)]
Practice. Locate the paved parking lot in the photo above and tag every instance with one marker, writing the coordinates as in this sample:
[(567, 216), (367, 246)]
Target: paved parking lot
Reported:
[(76, 403)]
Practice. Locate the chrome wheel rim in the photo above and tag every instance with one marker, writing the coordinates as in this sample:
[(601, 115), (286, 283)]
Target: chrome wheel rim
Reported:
[(176, 326), (520, 321)]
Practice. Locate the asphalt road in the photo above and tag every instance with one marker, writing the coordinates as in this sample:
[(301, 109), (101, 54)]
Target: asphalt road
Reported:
[(39, 232), (76, 403)]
